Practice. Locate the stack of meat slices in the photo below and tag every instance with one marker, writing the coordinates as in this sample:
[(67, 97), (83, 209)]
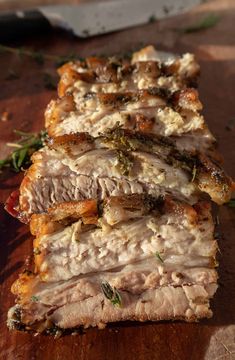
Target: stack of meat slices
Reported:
[(119, 199)]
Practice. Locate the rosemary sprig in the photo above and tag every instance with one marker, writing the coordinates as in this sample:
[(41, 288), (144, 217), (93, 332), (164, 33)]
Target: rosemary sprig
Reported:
[(24, 148), (159, 256), (231, 203), (205, 23), (111, 293), (38, 56)]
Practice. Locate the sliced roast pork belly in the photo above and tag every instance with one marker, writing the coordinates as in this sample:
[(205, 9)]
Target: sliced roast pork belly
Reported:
[(119, 198), (54, 307), (127, 232), (152, 111), (77, 166), (147, 69), (63, 117), (165, 270)]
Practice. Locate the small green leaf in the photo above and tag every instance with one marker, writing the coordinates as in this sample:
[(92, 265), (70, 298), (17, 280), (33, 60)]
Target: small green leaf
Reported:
[(23, 133), (159, 256), (21, 156), (15, 160), (24, 148), (3, 163), (111, 293), (205, 23), (34, 298)]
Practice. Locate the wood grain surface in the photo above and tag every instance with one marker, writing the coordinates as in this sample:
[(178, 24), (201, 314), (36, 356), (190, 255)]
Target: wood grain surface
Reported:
[(25, 98)]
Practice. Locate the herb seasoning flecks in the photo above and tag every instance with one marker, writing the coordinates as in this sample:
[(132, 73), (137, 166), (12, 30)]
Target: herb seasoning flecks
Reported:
[(111, 293)]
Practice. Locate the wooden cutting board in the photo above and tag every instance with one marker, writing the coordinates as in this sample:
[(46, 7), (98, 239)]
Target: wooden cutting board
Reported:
[(23, 100)]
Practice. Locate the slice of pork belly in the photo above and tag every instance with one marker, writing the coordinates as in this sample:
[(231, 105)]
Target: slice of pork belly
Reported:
[(63, 117), (128, 231), (186, 99), (77, 166), (113, 280), (116, 74), (185, 102), (81, 302), (174, 281)]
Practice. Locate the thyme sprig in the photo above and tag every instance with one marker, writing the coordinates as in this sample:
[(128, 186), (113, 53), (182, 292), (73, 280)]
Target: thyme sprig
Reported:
[(159, 256), (24, 148), (111, 293), (38, 56), (125, 162), (203, 24)]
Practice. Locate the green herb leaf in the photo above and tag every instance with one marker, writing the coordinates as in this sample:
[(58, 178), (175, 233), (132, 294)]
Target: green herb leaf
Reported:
[(21, 156), (159, 256), (34, 298), (38, 56), (231, 203), (111, 293), (14, 160), (205, 23), (125, 162), (24, 148)]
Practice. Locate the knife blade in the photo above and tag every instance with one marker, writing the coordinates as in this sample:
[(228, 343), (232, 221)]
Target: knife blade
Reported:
[(89, 19)]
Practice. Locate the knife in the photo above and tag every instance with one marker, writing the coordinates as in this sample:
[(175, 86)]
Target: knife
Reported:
[(89, 19)]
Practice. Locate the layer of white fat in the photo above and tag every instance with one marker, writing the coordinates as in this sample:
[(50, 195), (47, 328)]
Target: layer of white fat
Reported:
[(70, 252), (147, 168)]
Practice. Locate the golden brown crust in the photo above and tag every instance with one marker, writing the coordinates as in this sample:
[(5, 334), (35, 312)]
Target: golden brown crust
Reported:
[(56, 109), (113, 70), (64, 213)]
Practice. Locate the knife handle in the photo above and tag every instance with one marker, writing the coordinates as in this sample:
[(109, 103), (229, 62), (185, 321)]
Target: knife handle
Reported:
[(22, 24)]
